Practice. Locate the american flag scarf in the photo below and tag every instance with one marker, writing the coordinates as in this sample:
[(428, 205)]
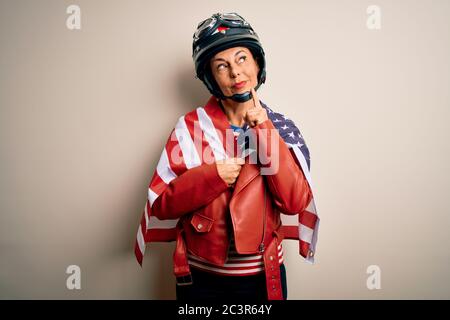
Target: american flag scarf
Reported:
[(209, 121)]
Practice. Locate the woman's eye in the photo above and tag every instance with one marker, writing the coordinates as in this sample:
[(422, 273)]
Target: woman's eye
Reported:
[(221, 66), (243, 57)]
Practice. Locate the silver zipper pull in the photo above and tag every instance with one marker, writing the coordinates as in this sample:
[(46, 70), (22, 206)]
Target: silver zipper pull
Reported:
[(261, 247)]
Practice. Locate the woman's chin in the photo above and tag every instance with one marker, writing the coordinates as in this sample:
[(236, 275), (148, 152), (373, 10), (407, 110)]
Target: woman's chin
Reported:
[(240, 90)]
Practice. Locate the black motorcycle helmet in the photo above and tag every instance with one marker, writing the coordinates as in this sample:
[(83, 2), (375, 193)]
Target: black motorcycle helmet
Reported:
[(219, 32)]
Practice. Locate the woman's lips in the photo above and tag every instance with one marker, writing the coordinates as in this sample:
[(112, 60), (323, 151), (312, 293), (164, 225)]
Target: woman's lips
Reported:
[(240, 85)]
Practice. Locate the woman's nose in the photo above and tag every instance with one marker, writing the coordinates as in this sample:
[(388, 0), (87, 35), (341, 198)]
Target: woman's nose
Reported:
[(234, 71)]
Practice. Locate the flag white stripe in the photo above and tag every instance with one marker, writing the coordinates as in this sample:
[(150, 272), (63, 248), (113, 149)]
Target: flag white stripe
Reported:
[(146, 216), (289, 220), (152, 196), (306, 233), (190, 155), (155, 223), (140, 240), (211, 134), (163, 168), (312, 245), (311, 207)]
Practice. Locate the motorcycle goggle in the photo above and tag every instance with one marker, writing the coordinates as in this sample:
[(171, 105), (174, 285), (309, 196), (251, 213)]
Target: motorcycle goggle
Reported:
[(227, 19)]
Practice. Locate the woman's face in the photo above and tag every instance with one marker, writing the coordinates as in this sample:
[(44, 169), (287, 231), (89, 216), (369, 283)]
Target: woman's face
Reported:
[(235, 66)]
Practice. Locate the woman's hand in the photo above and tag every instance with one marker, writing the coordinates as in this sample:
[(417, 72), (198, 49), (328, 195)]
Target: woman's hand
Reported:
[(256, 114), (229, 169)]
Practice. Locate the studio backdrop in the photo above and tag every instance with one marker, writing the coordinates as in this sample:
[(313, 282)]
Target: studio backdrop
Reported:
[(90, 90)]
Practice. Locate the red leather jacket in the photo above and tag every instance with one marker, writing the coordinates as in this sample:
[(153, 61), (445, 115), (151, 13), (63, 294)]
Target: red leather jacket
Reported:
[(206, 205)]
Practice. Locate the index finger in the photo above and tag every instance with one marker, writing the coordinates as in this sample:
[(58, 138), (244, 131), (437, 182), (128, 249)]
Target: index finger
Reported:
[(255, 98)]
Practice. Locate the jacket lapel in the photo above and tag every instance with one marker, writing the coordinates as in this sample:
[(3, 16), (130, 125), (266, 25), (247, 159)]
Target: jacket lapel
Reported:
[(248, 173)]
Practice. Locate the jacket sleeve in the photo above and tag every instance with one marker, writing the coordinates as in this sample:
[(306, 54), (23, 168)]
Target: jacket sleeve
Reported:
[(188, 192), (285, 179)]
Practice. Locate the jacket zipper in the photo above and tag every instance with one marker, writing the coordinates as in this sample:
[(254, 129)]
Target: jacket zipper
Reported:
[(261, 246)]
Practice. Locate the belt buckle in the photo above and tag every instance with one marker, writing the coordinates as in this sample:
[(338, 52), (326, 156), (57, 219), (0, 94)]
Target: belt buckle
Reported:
[(184, 280)]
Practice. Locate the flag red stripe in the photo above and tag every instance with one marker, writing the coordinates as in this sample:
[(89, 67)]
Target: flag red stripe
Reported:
[(304, 248), (290, 232), (143, 224), (174, 151), (161, 235), (149, 208), (308, 219), (138, 253), (158, 185)]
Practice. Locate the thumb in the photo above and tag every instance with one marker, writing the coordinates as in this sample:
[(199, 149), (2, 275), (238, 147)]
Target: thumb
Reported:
[(237, 160)]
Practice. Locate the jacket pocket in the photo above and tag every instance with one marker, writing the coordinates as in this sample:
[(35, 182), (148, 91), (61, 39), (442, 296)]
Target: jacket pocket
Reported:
[(201, 223)]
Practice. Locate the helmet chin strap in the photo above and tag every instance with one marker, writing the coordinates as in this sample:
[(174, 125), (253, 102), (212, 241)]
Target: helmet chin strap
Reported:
[(240, 97)]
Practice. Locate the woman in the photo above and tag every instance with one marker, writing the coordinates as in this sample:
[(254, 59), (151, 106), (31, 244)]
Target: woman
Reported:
[(223, 207)]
